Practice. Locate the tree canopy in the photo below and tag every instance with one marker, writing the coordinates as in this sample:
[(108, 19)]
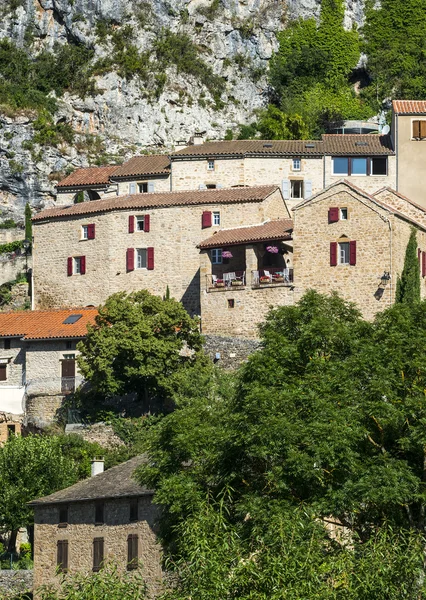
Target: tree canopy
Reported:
[(408, 285)]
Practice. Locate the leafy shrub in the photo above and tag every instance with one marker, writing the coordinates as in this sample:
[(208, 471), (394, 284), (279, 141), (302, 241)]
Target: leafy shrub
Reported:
[(8, 224), (11, 247)]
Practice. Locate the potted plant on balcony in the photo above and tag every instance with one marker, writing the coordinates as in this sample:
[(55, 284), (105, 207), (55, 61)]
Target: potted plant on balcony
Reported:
[(265, 279)]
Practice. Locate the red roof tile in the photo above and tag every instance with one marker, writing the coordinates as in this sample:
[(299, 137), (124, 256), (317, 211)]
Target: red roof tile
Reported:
[(253, 148), (409, 107), (89, 176), (162, 200), (357, 143), (279, 229), (155, 164), (46, 324)]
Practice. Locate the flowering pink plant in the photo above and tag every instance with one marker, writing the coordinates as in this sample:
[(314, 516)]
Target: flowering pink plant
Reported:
[(226, 254), (271, 249)]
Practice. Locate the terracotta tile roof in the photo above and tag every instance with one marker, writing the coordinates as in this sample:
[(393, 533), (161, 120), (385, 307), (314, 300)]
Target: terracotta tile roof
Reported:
[(155, 164), (279, 229), (46, 324), (89, 176), (253, 148), (409, 107), (162, 200), (356, 143), (116, 482)]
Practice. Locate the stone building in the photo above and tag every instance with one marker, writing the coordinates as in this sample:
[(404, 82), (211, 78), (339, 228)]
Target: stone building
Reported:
[(237, 292), (38, 366), (140, 174), (108, 517), (84, 253)]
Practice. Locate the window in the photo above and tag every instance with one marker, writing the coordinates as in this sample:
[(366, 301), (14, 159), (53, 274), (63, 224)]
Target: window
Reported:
[(143, 187), (343, 253), (210, 165), (231, 303), (85, 232), (379, 165), (140, 223), (216, 255), (141, 258), (340, 166), (133, 510), (132, 552), (3, 372), (216, 218), (63, 516), (296, 189), (358, 166), (343, 214), (211, 186), (99, 512), (296, 164), (62, 555), (98, 553), (419, 129), (11, 430), (79, 265), (6, 344), (69, 345)]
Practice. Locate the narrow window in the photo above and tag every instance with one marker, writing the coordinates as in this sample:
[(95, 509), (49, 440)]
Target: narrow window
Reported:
[(3, 372), (99, 512), (216, 218), (343, 214), (143, 187), (231, 303), (62, 556), (7, 344), (296, 164), (216, 255), (132, 552), (77, 265), (98, 553), (63, 515), (379, 165), (296, 189), (85, 232), (210, 165), (340, 165), (140, 223), (359, 166), (141, 258), (343, 253), (133, 510)]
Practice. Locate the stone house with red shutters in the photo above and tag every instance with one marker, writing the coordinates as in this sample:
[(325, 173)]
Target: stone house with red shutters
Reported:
[(85, 252)]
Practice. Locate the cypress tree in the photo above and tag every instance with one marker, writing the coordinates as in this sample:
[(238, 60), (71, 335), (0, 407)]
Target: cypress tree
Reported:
[(408, 285), (28, 224)]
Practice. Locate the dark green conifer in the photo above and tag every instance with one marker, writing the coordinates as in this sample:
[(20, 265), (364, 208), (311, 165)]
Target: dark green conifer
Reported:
[(408, 285), (28, 223)]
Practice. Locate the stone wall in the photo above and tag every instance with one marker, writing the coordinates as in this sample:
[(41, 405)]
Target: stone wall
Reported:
[(9, 424), (11, 265), (81, 530), (15, 582), (41, 411), (233, 351), (99, 433)]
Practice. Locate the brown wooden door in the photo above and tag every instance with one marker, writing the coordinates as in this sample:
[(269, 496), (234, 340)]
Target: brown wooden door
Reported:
[(68, 376)]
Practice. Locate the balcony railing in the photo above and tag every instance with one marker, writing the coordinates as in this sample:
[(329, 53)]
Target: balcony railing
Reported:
[(226, 280), (271, 276), (53, 385)]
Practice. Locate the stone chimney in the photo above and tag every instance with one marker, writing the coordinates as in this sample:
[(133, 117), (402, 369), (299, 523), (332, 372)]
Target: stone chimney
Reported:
[(97, 466), (180, 145), (198, 138)]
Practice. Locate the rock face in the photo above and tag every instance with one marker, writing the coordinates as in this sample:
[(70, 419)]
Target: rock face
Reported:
[(235, 38)]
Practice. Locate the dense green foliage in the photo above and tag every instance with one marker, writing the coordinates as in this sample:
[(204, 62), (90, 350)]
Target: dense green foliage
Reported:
[(325, 422), (8, 224), (28, 223), (408, 285), (10, 246), (141, 345)]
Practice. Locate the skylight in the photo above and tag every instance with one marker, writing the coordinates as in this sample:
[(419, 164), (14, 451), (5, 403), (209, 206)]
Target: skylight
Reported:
[(71, 319)]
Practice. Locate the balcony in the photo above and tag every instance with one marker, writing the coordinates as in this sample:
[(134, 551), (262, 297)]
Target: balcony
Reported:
[(262, 278), (271, 276), (226, 281)]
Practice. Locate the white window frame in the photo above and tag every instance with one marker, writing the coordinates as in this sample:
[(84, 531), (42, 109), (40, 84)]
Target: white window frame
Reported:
[(140, 184), (76, 265), (138, 252), (216, 217), (140, 219), (216, 256), (343, 253), (343, 214), (302, 190), (84, 232), (210, 165), (297, 164)]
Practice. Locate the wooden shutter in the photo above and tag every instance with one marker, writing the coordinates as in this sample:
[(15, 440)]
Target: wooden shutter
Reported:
[(150, 259), (132, 188), (423, 264), (285, 189), (206, 219), (333, 254), (352, 253), (146, 223), (308, 189), (3, 372), (423, 129), (83, 265), (91, 231), (69, 266), (416, 129), (62, 555), (130, 259), (150, 187), (98, 553), (131, 224), (132, 552), (333, 215)]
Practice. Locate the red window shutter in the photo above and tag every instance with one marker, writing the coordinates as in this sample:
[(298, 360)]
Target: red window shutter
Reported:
[(130, 259), (146, 223), (352, 253), (423, 264), (333, 254), (131, 224), (150, 259), (91, 231), (83, 265), (206, 220), (69, 266), (333, 215)]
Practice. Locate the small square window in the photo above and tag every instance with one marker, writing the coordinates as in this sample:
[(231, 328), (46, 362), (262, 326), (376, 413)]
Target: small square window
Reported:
[(216, 218), (296, 164), (210, 165), (140, 223), (343, 253), (343, 214), (143, 187), (6, 344), (231, 303), (141, 258), (216, 255), (85, 232)]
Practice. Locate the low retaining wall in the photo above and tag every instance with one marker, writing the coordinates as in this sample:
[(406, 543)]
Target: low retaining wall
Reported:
[(233, 351), (15, 582)]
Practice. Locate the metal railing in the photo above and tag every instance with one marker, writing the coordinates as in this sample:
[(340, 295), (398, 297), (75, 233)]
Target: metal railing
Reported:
[(226, 280), (271, 276)]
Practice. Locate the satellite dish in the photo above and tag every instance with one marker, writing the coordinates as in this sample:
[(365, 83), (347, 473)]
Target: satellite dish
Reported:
[(385, 129)]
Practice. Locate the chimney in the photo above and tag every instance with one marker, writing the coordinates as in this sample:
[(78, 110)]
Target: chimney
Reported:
[(97, 466), (180, 145), (198, 138)]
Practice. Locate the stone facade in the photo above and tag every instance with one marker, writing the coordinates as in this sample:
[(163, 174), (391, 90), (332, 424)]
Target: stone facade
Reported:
[(9, 425), (368, 183), (233, 351), (80, 531), (174, 234)]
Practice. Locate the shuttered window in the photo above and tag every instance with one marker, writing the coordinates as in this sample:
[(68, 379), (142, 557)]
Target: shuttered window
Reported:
[(146, 224), (151, 187), (91, 231), (98, 553), (352, 253), (82, 265), (62, 555), (333, 215), (132, 552), (419, 129), (131, 223), (206, 219), (69, 266), (333, 254), (150, 259), (130, 259)]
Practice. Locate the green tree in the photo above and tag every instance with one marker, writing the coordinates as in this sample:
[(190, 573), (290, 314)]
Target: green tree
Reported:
[(408, 285), (141, 345), (28, 223)]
